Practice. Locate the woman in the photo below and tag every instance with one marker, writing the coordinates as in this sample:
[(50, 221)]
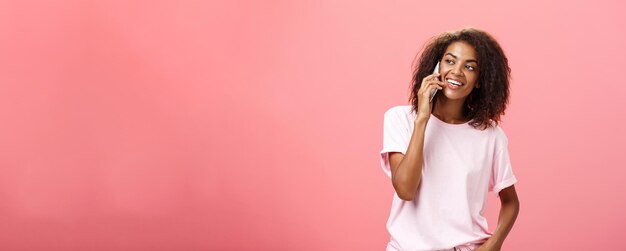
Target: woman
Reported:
[(444, 155)]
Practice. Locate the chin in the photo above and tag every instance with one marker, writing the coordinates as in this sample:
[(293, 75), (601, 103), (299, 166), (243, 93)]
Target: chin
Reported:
[(455, 96)]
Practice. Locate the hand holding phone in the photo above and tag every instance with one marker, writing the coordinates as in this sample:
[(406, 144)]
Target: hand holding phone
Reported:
[(432, 94), (430, 84)]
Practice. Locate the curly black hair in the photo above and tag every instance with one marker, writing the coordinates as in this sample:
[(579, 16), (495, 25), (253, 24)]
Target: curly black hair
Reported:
[(485, 103)]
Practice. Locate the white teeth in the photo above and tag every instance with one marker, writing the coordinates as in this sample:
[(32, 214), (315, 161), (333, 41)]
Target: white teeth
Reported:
[(454, 82)]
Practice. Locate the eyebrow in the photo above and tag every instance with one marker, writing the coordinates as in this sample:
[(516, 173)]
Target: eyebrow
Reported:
[(455, 57)]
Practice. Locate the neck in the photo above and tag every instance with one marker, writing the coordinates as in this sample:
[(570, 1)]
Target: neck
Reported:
[(449, 111)]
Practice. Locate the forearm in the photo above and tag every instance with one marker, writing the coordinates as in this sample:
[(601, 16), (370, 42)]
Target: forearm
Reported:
[(409, 172), (508, 214)]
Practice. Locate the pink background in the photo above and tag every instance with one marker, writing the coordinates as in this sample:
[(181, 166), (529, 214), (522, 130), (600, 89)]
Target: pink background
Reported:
[(250, 125)]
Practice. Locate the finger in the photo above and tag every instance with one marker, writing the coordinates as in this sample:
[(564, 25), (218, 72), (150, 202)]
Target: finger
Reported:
[(430, 77), (430, 82), (434, 75), (437, 84), (430, 86), (440, 84), (428, 90)]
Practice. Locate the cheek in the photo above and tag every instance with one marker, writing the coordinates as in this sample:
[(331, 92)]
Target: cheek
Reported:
[(473, 78)]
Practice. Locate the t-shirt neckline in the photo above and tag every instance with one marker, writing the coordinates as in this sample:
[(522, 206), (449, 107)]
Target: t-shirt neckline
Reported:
[(441, 122)]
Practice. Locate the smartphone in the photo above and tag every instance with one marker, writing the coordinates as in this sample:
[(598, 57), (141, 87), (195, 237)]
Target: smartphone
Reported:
[(432, 94)]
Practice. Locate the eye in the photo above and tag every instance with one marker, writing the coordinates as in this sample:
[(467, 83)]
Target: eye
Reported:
[(469, 67), (449, 61)]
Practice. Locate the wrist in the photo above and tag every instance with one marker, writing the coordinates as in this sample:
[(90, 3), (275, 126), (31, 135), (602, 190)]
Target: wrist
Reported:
[(495, 242), (422, 119)]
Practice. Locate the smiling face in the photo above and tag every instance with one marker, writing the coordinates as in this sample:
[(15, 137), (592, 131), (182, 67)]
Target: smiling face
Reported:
[(459, 70)]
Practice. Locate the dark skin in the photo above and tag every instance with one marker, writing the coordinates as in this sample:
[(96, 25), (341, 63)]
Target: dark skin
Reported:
[(460, 65)]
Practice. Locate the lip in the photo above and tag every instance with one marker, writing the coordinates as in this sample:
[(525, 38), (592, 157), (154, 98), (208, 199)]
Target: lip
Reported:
[(454, 87)]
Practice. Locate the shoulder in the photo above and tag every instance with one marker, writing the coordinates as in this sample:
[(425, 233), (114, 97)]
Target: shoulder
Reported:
[(499, 135), (399, 115), (399, 111)]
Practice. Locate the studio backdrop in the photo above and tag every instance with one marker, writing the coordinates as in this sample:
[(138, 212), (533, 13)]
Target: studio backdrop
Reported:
[(257, 125)]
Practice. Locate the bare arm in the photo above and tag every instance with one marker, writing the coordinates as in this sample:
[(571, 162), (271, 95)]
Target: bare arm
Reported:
[(406, 170), (508, 214)]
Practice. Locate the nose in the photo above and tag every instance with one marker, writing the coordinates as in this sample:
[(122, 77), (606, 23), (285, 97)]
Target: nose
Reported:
[(456, 70)]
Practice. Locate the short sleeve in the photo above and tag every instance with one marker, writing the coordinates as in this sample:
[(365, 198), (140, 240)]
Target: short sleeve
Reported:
[(396, 135), (502, 175)]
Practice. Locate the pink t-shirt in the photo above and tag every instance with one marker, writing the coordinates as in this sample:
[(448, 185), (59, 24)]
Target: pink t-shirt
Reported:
[(461, 164)]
